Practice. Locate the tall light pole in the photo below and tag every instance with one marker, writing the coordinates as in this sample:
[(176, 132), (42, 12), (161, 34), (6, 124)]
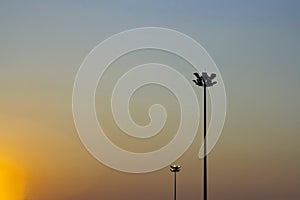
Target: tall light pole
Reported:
[(204, 81), (175, 169)]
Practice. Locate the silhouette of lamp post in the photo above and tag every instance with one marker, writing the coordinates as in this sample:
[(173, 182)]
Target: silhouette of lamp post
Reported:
[(175, 169), (204, 81)]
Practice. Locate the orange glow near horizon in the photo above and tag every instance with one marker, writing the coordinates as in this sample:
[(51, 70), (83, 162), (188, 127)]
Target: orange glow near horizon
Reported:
[(11, 182)]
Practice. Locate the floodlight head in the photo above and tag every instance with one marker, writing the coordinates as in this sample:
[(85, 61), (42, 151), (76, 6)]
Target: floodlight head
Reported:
[(205, 76), (213, 75), (205, 79), (199, 80), (197, 75), (175, 168)]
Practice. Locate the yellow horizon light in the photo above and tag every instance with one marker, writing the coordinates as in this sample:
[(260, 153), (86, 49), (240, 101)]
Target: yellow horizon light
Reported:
[(12, 183)]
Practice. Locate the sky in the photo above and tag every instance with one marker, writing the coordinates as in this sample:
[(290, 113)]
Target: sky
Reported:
[(255, 45)]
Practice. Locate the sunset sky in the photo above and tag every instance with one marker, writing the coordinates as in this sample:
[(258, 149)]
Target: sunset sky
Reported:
[(256, 47)]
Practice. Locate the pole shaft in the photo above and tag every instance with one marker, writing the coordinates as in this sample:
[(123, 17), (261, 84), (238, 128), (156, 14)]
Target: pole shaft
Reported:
[(174, 185), (205, 156)]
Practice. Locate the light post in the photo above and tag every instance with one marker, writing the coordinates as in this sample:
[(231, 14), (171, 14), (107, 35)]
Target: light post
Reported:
[(204, 81), (175, 169)]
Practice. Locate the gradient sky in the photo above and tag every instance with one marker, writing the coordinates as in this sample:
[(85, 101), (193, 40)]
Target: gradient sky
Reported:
[(256, 46)]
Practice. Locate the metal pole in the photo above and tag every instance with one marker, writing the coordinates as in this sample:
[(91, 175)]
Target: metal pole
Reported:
[(175, 169), (174, 185), (205, 157), (204, 81)]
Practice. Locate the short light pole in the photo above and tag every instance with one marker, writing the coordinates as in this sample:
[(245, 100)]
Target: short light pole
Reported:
[(175, 169), (204, 81)]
